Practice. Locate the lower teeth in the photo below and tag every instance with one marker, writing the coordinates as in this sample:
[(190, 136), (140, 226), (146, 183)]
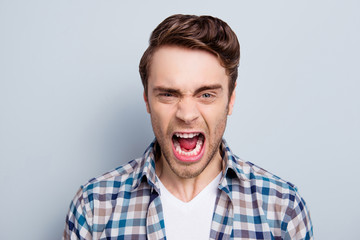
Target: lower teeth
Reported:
[(193, 152)]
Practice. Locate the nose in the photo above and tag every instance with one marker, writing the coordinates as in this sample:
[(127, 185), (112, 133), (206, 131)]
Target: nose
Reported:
[(187, 110)]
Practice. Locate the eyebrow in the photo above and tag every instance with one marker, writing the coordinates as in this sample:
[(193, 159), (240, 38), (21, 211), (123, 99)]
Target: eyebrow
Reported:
[(208, 87), (197, 91)]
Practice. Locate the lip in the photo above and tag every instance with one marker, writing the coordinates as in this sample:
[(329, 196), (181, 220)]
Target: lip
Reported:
[(189, 159)]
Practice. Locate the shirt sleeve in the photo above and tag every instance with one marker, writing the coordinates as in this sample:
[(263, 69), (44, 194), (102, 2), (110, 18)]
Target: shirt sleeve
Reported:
[(77, 220), (297, 224)]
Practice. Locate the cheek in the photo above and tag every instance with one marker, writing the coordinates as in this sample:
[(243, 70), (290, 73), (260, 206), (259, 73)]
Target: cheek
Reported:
[(160, 118), (216, 112), (216, 118)]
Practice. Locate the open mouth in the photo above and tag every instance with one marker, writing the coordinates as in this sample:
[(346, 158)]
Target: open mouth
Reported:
[(188, 147)]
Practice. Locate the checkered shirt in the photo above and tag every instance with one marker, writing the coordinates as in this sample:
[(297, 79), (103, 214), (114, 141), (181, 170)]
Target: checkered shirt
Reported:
[(251, 204)]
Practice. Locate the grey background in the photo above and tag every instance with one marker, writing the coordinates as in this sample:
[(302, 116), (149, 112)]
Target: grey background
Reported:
[(71, 103)]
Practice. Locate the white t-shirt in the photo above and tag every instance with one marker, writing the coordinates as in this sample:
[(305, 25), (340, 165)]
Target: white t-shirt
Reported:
[(189, 220)]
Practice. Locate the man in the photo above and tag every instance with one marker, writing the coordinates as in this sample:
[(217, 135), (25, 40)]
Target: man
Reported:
[(188, 184)]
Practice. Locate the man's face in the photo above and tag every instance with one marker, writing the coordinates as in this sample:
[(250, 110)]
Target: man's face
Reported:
[(188, 101)]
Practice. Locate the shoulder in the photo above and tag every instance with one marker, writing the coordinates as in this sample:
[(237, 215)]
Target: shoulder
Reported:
[(257, 178), (253, 176), (279, 200), (104, 189), (263, 178), (266, 188), (270, 188), (93, 203), (120, 178)]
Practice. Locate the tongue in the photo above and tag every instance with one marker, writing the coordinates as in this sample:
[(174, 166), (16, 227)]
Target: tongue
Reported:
[(188, 143)]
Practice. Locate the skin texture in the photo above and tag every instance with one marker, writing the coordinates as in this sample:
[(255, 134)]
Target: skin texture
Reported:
[(188, 92)]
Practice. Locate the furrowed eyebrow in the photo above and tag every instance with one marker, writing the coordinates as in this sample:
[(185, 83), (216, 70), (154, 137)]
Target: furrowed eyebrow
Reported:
[(168, 90), (197, 91), (209, 87)]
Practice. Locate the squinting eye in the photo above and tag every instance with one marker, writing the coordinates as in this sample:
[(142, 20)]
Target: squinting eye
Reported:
[(206, 95), (166, 94)]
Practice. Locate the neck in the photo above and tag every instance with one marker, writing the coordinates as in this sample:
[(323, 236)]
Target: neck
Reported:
[(186, 189)]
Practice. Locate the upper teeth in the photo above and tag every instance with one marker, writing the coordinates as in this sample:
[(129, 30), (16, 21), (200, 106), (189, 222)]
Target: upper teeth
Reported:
[(186, 135)]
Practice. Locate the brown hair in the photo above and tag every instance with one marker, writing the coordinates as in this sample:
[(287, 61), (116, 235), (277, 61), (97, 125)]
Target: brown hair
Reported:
[(195, 32)]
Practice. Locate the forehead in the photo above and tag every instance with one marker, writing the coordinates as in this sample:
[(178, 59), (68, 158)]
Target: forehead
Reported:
[(173, 66)]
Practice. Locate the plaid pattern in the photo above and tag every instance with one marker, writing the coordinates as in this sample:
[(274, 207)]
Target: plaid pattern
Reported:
[(125, 204)]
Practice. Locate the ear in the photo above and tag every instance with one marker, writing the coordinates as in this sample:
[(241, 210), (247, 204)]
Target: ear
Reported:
[(232, 101), (146, 102)]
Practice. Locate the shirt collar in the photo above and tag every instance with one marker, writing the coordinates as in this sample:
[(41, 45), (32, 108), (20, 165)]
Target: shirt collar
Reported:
[(146, 170), (232, 164)]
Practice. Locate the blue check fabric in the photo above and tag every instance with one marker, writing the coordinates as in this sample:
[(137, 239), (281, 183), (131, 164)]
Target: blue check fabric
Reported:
[(251, 204)]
